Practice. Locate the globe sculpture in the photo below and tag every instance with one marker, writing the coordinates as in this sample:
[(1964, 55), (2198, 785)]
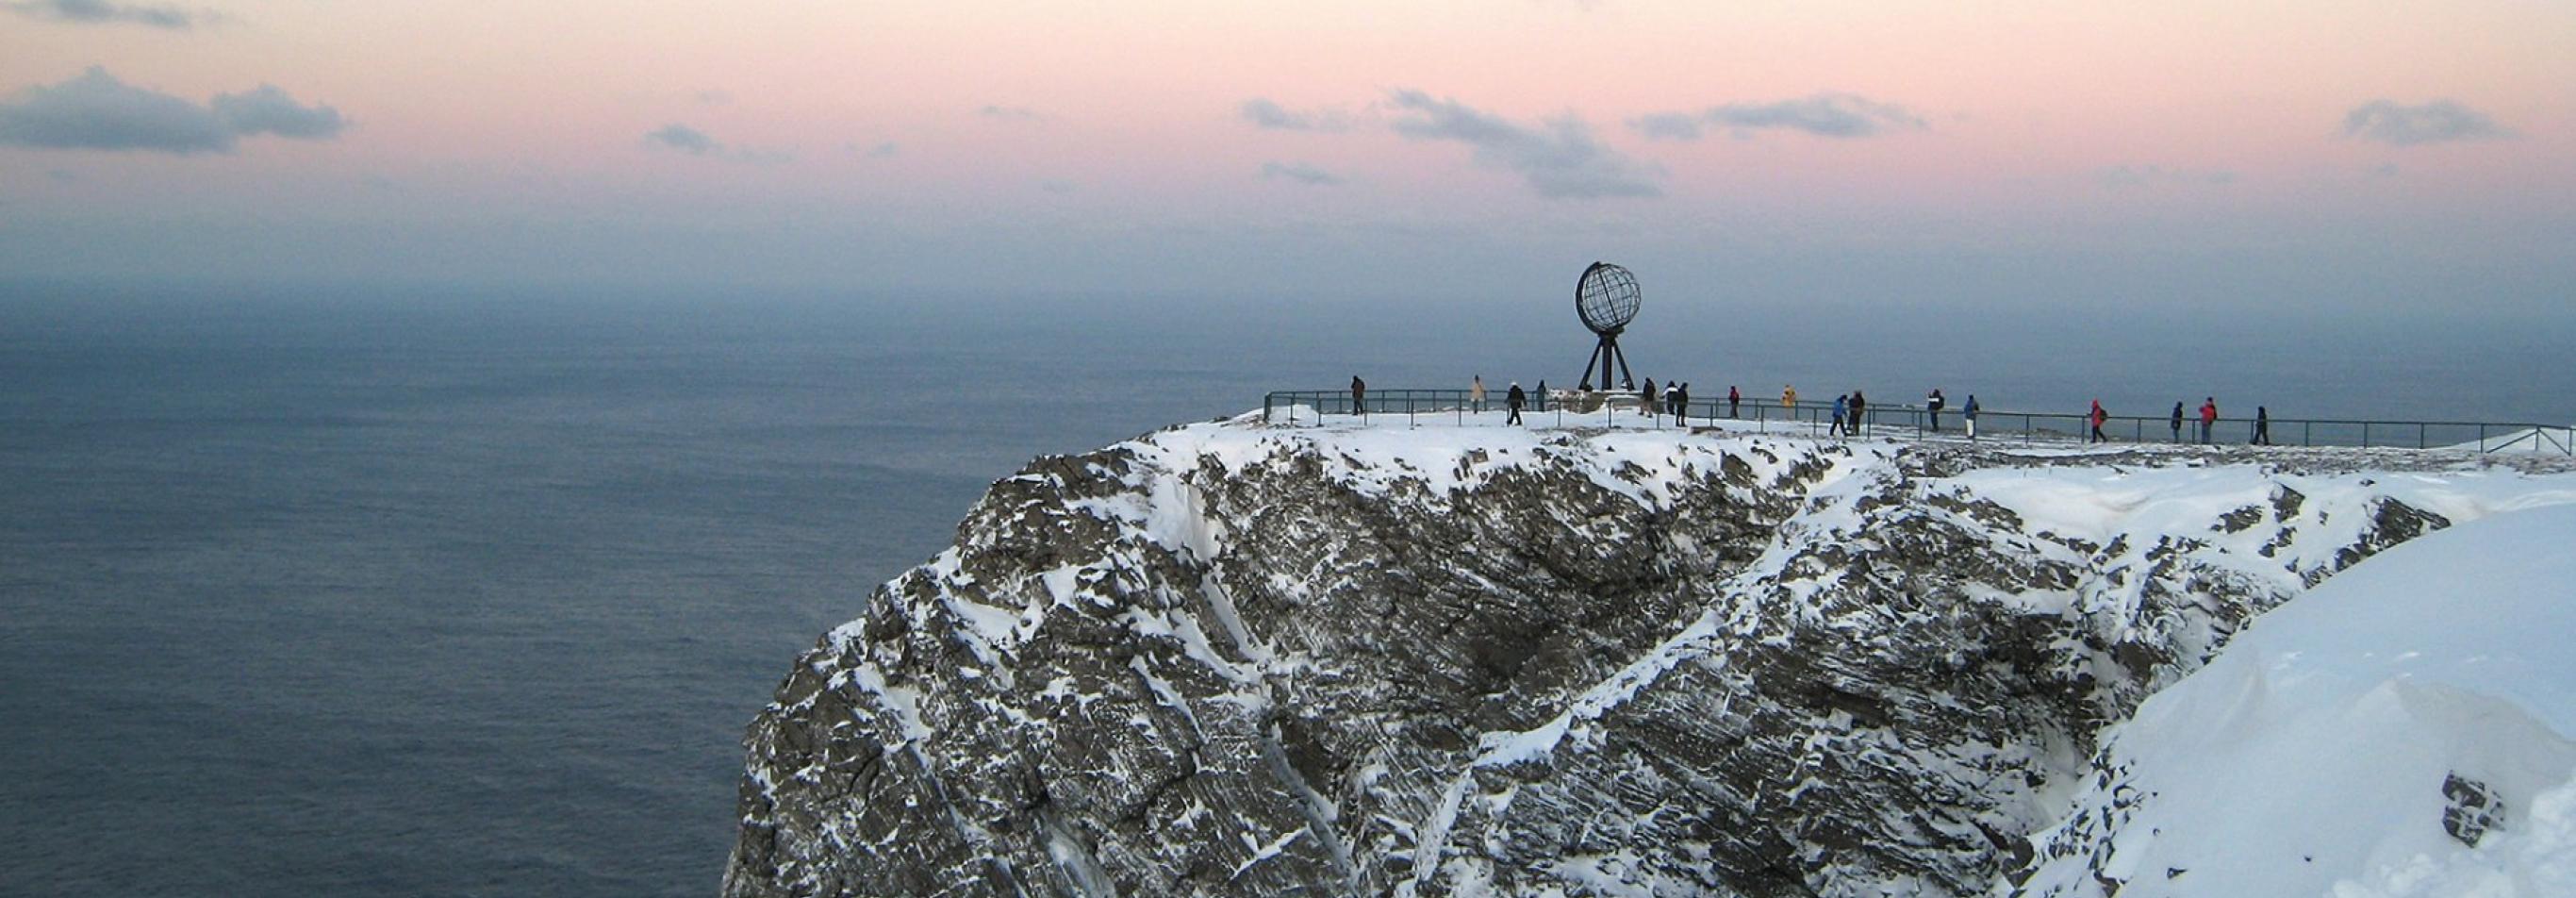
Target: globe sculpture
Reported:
[(1606, 298)]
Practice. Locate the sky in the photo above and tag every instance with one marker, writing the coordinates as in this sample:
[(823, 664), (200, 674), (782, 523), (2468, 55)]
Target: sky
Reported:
[(2314, 158)]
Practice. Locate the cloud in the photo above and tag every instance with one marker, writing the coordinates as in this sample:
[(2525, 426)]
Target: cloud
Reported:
[(2440, 121), (1836, 115), (1010, 114), (268, 110), (1560, 160), (99, 12), (95, 111), (676, 136), (1298, 172), (684, 139), (884, 150), (1265, 114), (2121, 176)]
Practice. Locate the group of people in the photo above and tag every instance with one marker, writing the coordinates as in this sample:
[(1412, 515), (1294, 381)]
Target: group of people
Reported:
[(1851, 411), (2206, 417)]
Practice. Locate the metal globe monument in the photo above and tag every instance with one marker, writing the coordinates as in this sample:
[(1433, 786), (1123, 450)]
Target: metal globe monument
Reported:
[(1606, 299)]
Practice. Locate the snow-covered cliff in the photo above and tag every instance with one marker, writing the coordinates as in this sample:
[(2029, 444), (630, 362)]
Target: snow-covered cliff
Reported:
[(1234, 659)]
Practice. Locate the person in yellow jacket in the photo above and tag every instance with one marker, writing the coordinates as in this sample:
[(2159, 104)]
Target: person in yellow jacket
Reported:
[(1789, 398)]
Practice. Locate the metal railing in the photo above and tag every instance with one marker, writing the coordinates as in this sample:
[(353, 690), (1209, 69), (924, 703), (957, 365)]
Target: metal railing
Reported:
[(1612, 410)]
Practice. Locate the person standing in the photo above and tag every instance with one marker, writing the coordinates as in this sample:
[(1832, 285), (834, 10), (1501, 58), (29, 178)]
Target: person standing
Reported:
[(1542, 397), (2097, 417), (1932, 409), (1859, 425), (1359, 395), (2176, 423), (1841, 403), (1513, 400), (1681, 405), (1733, 399), (2262, 425), (1970, 412), (1646, 398), (1476, 394), (2208, 418)]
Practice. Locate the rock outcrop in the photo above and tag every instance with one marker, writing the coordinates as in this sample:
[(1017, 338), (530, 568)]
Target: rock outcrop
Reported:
[(1232, 659)]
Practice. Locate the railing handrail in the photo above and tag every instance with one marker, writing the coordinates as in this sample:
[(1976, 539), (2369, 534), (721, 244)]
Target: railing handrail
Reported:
[(1409, 400)]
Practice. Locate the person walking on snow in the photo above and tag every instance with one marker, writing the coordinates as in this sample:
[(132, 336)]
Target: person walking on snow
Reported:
[(1476, 394), (1969, 411), (1840, 403), (2097, 417), (2176, 423), (1513, 400), (1733, 399), (2262, 426), (1932, 409), (2208, 417), (1359, 395)]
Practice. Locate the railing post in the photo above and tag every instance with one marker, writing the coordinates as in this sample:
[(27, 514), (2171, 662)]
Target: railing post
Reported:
[(2419, 434), (2365, 434)]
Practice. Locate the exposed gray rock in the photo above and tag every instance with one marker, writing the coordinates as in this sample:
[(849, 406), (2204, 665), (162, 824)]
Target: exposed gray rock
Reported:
[(1226, 659)]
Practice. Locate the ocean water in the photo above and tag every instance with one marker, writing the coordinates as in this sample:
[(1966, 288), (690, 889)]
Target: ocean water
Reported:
[(354, 592)]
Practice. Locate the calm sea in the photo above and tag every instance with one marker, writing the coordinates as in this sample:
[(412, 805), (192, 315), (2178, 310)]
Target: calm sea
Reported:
[(363, 593)]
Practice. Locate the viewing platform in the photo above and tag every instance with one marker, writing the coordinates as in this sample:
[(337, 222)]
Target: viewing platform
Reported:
[(1624, 410)]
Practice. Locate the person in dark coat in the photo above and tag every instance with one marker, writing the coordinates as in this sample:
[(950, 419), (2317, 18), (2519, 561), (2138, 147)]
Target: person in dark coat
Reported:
[(1733, 399), (1513, 400), (2177, 421), (1859, 415), (1681, 405), (1932, 408), (2097, 417), (1541, 397), (2262, 426), (1646, 398), (1359, 395)]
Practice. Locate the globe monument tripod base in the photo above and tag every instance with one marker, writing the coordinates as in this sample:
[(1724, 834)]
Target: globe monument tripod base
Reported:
[(1605, 355)]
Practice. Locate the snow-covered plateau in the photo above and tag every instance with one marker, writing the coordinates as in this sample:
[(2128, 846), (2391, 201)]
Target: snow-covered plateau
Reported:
[(1241, 659)]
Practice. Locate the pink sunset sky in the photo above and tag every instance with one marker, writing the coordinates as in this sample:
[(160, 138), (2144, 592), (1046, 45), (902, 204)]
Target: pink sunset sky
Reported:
[(2319, 154)]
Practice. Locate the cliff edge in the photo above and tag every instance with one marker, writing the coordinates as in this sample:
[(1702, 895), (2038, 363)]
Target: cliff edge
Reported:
[(1232, 659)]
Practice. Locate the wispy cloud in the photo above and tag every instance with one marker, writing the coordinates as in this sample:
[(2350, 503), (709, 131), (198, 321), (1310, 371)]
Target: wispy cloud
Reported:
[(100, 12), (1263, 113), (95, 111), (1837, 115), (1011, 114), (2123, 176), (684, 139), (2440, 121), (1560, 159), (880, 150), (1299, 172)]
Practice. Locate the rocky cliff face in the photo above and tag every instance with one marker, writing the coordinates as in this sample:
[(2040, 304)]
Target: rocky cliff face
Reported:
[(1228, 659)]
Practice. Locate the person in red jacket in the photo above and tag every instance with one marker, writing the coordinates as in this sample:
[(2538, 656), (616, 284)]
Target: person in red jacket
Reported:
[(2208, 417), (2097, 417)]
